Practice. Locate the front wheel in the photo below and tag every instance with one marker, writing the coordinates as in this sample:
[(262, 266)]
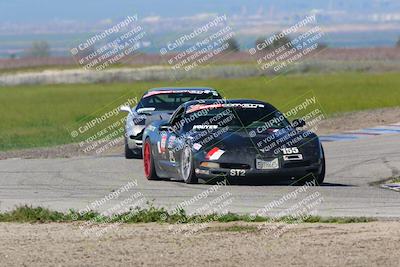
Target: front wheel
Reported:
[(317, 177), (187, 166), (148, 162)]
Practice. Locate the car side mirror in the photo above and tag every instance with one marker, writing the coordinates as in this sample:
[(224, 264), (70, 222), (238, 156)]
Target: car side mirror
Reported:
[(298, 123), (126, 109)]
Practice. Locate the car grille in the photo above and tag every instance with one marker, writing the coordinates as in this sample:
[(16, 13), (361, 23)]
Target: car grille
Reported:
[(234, 166), (295, 164), (137, 137)]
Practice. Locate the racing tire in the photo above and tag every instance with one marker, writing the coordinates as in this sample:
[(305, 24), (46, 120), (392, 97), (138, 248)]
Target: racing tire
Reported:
[(321, 175), (148, 162), (132, 154), (187, 166)]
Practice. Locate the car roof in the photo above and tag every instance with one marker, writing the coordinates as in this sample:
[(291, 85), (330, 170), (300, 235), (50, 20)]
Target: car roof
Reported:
[(224, 101), (182, 89)]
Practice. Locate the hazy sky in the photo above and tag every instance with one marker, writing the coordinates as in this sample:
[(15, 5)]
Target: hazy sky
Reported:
[(90, 10), (44, 10)]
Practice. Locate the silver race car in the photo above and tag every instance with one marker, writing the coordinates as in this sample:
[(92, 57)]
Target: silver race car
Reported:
[(157, 104)]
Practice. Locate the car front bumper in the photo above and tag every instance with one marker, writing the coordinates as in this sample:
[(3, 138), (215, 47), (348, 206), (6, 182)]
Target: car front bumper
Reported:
[(134, 143), (134, 137), (293, 173)]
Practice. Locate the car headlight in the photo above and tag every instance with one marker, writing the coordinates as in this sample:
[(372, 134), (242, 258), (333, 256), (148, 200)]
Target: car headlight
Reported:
[(137, 129)]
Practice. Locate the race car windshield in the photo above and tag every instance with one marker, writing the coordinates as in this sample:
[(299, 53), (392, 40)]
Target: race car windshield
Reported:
[(171, 101), (236, 118)]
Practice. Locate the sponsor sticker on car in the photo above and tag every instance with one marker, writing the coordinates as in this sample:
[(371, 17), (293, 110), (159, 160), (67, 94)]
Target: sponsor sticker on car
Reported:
[(163, 142), (199, 107), (171, 141), (267, 164), (205, 127), (214, 154), (197, 146)]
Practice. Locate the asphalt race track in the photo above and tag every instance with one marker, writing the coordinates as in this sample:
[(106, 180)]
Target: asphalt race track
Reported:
[(67, 183)]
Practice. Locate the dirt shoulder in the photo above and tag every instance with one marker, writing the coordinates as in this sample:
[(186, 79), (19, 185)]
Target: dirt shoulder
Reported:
[(336, 124), (61, 244)]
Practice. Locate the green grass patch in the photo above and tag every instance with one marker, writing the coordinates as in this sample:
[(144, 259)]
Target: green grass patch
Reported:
[(396, 180), (43, 115), (339, 220), (393, 180), (28, 214)]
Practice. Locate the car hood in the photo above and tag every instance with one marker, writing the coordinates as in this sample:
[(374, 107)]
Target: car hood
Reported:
[(158, 116), (267, 143), (146, 119)]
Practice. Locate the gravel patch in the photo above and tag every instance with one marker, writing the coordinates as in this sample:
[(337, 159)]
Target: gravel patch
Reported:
[(61, 244)]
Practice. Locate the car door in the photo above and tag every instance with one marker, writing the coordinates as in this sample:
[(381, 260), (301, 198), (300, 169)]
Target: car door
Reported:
[(169, 144)]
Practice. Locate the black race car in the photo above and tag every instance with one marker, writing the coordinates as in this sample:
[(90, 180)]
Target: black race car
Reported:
[(157, 104), (234, 139)]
